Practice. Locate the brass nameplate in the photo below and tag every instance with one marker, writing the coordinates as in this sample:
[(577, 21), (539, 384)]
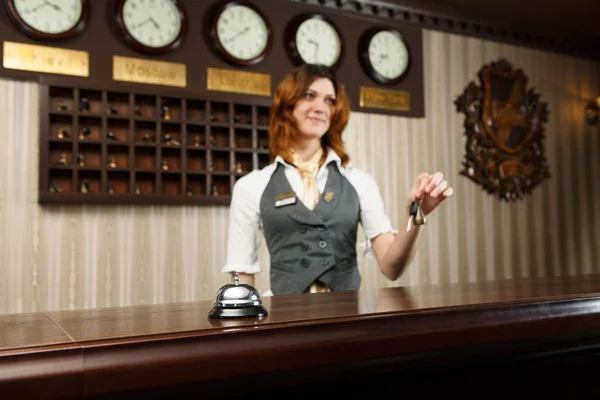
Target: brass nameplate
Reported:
[(225, 80), (384, 98), (137, 70), (52, 60)]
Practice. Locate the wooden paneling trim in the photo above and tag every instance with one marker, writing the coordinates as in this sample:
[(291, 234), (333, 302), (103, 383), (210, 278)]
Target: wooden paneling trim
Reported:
[(551, 40)]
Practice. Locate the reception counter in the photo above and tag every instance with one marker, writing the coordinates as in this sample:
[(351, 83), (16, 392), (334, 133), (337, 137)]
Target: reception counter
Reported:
[(468, 339)]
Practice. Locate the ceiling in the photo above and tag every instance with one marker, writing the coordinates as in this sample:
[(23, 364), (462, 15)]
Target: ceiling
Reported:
[(573, 17)]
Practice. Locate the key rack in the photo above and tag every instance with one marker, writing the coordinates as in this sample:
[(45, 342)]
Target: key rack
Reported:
[(101, 146)]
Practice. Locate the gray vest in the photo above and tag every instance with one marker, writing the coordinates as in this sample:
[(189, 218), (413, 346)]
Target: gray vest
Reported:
[(305, 245)]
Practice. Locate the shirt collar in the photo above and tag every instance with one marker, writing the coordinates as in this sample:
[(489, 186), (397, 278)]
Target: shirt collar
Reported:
[(331, 156)]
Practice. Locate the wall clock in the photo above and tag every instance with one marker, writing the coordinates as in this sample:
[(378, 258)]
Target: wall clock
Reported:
[(384, 55), (49, 19), (152, 26), (314, 39), (240, 33)]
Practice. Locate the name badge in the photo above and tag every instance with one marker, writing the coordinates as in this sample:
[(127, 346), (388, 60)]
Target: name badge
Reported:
[(285, 199)]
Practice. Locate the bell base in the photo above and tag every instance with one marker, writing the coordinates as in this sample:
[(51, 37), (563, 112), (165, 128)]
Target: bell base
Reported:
[(242, 312)]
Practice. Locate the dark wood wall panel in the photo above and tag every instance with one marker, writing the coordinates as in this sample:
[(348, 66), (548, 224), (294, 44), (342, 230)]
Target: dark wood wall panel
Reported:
[(102, 40), (457, 17)]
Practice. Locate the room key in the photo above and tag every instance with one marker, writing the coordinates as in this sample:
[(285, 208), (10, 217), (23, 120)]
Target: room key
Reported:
[(415, 216), (411, 214)]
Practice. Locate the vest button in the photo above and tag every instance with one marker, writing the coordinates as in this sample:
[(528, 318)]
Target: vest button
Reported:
[(304, 246), (322, 244), (302, 229), (320, 228), (305, 263), (324, 263)]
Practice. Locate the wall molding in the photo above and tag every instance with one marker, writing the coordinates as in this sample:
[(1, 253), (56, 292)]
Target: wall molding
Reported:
[(553, 40)]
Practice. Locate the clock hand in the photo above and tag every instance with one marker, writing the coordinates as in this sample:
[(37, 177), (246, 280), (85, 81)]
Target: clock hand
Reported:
[(34, 9), (155, 23), (56, 7), (377, 62), (381, 58), (242, 32), (140, 24), (316, 47)]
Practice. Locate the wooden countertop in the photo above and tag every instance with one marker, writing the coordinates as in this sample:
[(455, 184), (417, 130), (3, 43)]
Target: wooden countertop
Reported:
[(72, 354)]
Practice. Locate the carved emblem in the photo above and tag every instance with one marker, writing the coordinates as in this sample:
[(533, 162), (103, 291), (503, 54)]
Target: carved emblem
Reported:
[(504, 129)]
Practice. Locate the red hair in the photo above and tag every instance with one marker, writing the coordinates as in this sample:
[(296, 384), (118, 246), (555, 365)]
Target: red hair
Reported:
[(283, 130)]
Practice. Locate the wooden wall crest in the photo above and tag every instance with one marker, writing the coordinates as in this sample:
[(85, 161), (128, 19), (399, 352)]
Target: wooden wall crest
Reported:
[(504, 124)]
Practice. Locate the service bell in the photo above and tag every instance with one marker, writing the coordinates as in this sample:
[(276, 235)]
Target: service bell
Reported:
[(238, 300)]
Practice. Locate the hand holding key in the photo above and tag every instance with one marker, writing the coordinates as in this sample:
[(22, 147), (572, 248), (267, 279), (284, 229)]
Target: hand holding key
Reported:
[(428, 192)]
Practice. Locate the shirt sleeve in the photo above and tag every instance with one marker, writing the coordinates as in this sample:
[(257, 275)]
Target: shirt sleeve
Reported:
[(373, 216), (243, 237)]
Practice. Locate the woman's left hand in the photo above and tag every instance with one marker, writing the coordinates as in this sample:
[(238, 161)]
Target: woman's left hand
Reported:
[(431, 190)]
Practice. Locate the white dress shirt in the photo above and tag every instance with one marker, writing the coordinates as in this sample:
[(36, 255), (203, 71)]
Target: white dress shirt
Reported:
[(245, 220)]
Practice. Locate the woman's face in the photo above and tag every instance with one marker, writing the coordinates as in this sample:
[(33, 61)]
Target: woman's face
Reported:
[(313, 111)]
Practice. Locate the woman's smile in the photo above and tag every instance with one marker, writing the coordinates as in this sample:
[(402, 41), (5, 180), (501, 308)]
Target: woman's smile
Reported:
[(316, 120)]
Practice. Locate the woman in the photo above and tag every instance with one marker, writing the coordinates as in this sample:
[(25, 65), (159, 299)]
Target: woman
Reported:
[(308, 202)]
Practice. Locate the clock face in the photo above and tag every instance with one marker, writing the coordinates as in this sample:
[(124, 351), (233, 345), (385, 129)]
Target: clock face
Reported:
[(318, 42), (384, 55), (48, 19), (152, 23), (388, 55), (242, 33)]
